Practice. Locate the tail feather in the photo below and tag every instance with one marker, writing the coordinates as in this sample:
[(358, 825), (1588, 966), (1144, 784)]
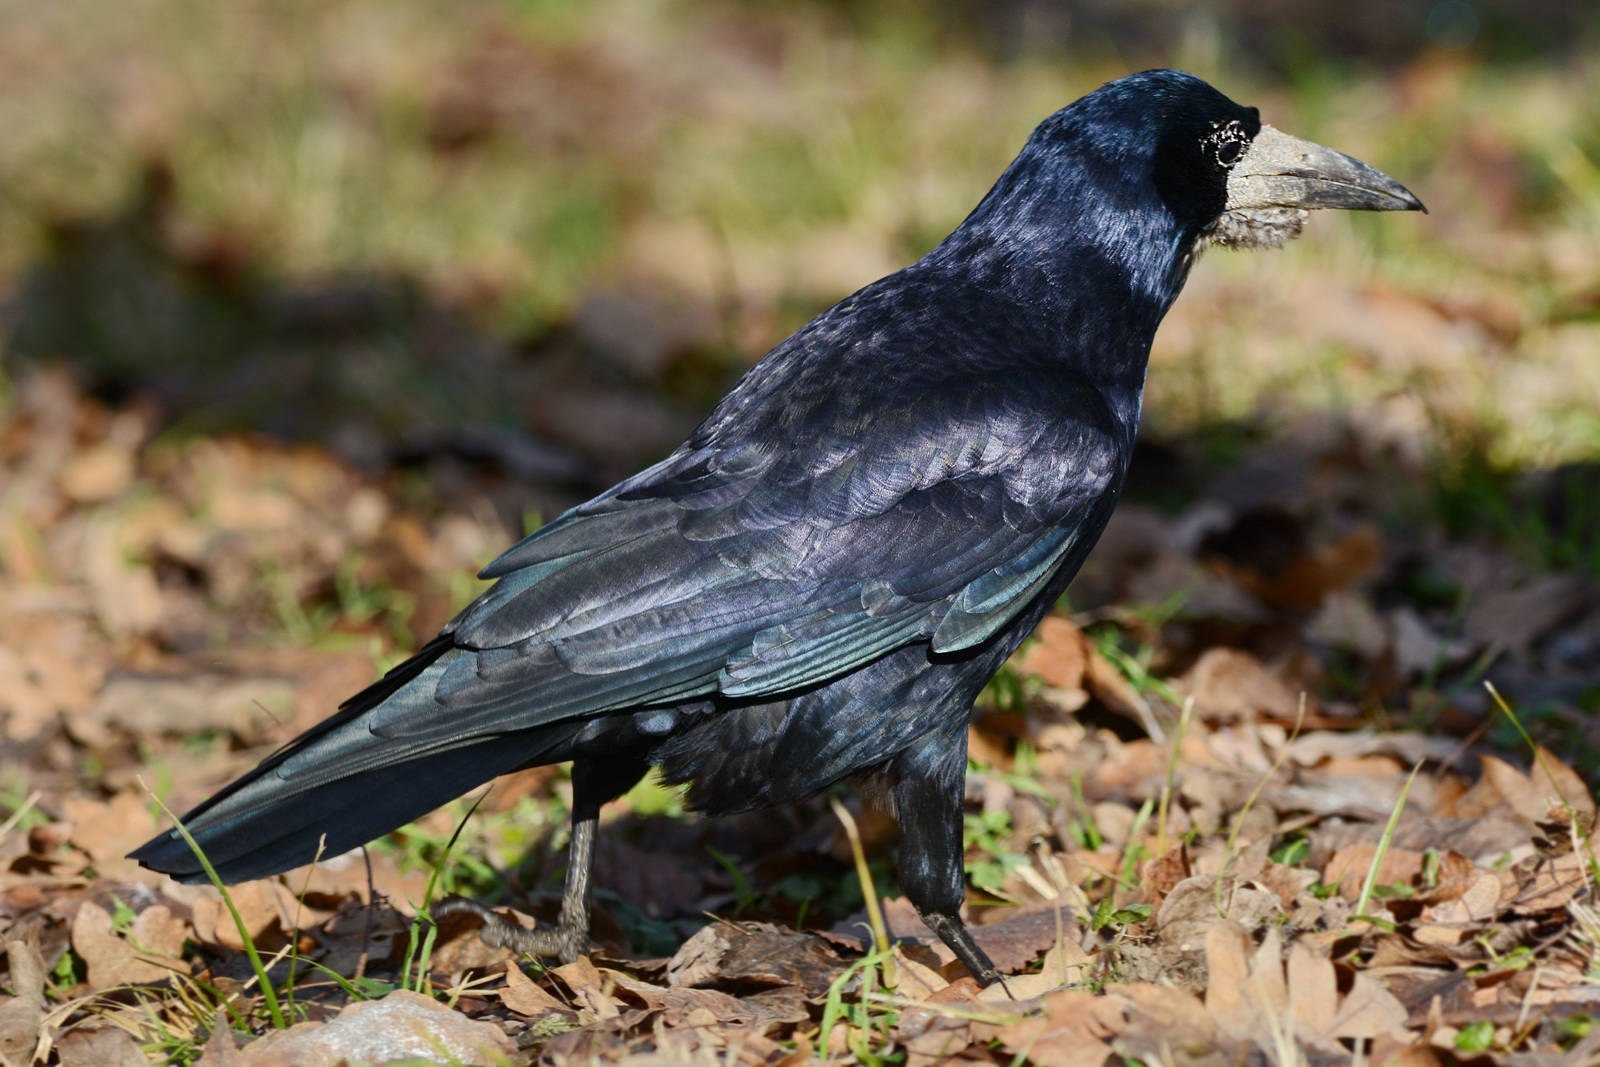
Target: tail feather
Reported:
[(275, 826), (270, 820)]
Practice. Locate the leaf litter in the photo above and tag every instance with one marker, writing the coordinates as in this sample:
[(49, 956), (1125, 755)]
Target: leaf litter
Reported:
[(1160, 884), (1179, 813)]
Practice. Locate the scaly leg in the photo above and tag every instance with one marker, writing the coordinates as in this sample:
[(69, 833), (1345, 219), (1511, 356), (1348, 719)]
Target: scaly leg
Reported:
[(928, 791), (594, 782)]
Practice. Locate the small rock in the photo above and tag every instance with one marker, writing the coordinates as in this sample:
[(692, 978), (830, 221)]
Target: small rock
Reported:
[(402, 1026)]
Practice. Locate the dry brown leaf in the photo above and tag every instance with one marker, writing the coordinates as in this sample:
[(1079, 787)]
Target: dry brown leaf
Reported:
[(647, 995), (1253, 998), (1228, 685), (1418, 650), (222, 1047), (1313, 990), (1202, 901), (590, 989), (1562, 786), (1162, 1019), (108, 830), (524, 997), (22, 1013), (1477, 903), (1245, 991), (126, 598), (760, 953), (1349, 622), (1062, 967), (1073, 1030), (1514, 619), (1529, 796), (98, 473), (1551, 884), (150, 951), (1163, 1010), (1369, 1011), (21, 550), (1322, 1017), (1059, 654), (1012, 943), (262, 904), (914, 981), (154, 704), (1288, 884), (1110, 687), (99, 1046), (1160, 875), (1230, 1000), (50, 663), (1406, 749), (930, 1037), (1349, 866), (699, 959), (684, 1006)]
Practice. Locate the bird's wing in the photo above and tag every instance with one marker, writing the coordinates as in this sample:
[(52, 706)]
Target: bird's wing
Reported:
[(754, 571)]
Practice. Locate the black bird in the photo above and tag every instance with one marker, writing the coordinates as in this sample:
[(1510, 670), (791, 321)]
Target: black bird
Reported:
[(816, 585)]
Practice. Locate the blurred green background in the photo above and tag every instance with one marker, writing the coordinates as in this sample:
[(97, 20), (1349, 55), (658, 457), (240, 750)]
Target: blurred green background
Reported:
[(550, 231)]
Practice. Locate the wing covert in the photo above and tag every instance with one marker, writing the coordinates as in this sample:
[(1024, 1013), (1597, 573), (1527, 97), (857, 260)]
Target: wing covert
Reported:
[(751, 571)]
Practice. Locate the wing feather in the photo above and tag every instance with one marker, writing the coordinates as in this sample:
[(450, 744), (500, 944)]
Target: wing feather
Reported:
[(753, 572)]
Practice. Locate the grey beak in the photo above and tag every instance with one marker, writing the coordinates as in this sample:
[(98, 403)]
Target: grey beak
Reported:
[(1283, 171)]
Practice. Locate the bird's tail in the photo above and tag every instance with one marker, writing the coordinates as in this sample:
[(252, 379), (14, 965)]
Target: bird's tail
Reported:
[(272, 820)]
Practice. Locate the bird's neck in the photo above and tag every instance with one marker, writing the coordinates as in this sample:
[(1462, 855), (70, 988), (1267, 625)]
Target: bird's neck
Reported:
[(1085, 299)]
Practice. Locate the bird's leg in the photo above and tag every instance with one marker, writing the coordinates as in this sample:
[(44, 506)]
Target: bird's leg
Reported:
[(928, 795), (594, 782)]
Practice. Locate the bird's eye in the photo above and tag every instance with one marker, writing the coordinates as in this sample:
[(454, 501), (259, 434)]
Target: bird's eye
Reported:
[(1226, 143)]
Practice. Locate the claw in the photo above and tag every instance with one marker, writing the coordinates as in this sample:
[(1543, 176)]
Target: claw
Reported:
[(560, 942)]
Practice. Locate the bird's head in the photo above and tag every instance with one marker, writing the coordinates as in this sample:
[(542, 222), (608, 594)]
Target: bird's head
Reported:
[(1148, 169), (1223, 174)]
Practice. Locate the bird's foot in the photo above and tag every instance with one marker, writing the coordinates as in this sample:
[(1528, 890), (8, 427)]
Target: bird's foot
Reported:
[(562, 942), (954, 933)]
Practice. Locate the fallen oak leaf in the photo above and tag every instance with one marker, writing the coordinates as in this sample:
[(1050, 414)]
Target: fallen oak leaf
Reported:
[(149, 951), (592, 991), (1012, 943), (1547, 884), (755, 953), (1252, 995), (915, 981), (22, 1013), (1159, 1016), (1349, 867), (1229, 685), (1073, 1028), (1367, 1011), (98, 1046), (107, 830), (1313, 990), (1228, 996), (1058, 655), (523, 996), (684, 1006), (267, 907), (1203, 901)]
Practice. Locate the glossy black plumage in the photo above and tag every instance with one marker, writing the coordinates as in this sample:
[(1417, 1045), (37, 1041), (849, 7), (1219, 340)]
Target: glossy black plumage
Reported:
[(822, 578)]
